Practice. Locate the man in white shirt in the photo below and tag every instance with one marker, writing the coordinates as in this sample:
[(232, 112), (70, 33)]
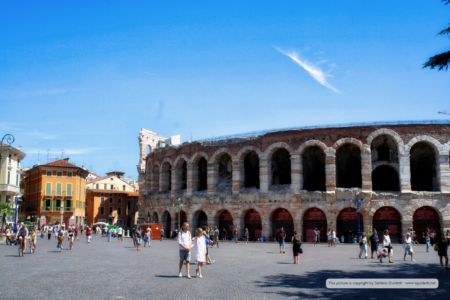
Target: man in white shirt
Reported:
[(185, 244)]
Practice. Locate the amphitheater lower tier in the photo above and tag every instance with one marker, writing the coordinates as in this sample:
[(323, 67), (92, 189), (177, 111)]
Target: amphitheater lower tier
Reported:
[(263, 214)]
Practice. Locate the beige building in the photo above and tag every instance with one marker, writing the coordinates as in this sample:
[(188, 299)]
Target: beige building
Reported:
[(10, 171)]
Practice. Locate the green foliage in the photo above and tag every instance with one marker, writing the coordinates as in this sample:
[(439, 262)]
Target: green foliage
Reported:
[(442, 60)]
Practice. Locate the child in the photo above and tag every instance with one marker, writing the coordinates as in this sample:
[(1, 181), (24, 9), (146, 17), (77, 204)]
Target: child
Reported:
[(408, 247), (200, 250), (363, 246)]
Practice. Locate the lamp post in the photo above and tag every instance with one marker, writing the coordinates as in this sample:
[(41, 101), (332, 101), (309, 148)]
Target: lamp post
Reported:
[(179, 205), (62, 212), (17, 201), (358, 202), (9, 139)]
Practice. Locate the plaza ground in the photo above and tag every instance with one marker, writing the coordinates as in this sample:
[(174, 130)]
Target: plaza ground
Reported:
[(102, 270)]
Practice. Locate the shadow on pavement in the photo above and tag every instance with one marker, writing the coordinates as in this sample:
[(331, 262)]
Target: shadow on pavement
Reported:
[(312, 284), (167, 276)]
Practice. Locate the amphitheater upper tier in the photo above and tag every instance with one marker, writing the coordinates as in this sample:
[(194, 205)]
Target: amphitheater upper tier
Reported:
[(402, 166)]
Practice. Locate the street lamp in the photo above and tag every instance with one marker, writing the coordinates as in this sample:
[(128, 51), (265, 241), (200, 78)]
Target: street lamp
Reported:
[(62, 212), (179, 205), (9, 139), (358, 202), (17, 201)]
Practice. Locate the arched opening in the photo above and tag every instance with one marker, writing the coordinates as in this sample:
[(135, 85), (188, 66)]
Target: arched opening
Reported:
[(148, 150), (149, 218), (155, 179), (423, 168), (384, 149), (281, 167), (385, 178), (224, 178), (348, 166), (202, 174), (225, 224), (181, 172), (181, 217), (388, 218), (252, 221), (281, 218), (347, 225), (251, 170), (166, 173), (425, 219), (167, 223), (200, 220), (155, 218), (314, 218), (313, 161)]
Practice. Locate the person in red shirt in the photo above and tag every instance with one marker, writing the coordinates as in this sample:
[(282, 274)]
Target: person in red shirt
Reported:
[(88, 234)]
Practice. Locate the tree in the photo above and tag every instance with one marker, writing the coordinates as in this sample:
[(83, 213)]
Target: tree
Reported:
[(442, 60), (5, 210)]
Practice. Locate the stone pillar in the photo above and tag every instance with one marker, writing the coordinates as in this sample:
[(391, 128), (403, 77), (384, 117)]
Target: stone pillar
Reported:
[(367, 221), (330, 170), (444, 172), (161, 181), (296, 174), (190, 179), (404, 172), (264, 172), (366, 168), (174, 188), (407, 222), (266, 232), (212, 178), (236, 176)]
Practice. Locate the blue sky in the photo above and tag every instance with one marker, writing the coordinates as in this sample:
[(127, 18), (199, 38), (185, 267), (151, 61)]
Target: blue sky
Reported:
[(83, 77)]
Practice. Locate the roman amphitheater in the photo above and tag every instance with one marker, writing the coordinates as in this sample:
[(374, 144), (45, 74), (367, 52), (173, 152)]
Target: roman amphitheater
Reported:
[(301, 179)]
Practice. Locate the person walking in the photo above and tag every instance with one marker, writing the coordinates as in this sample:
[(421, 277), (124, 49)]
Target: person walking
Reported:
[(71, 237), (33, 240), (8, 233), (441, 247), (387, 247), (427, 237), (148, 237), (200, 251), (235, 235), (363, 246), (247, 235), (282, 240), (408, 244), (120, 234), (88, 234), (161, 234), (185, 246), (374, 241), (216, 234), (316, 236), (60, 238), (138, 238), (296, 246), (333, 238), (21, 237), (329, 237)]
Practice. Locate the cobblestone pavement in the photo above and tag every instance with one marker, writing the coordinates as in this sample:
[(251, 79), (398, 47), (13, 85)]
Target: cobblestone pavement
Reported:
[(102, 270)]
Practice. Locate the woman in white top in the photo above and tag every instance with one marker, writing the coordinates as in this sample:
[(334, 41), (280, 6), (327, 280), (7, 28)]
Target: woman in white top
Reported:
[(200, 251), (408, 246), (387, 245), (363, 246)]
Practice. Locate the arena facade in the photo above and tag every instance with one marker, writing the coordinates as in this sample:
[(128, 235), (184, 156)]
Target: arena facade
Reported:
[(301, 179)]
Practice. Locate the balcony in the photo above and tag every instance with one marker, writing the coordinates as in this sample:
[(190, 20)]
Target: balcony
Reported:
[(9, 188)]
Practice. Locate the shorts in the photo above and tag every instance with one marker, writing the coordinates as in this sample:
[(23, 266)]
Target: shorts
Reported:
[(281, 242), (119, 235), (408, 250), (185, 255)]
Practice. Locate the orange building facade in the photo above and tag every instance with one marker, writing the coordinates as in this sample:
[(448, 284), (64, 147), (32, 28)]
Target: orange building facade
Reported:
[(111, 206), (54, 190)]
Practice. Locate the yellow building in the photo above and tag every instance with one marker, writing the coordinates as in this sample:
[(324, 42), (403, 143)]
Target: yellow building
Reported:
[(54, 190)]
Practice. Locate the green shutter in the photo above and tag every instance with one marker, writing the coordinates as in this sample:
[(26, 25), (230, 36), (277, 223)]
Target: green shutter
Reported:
[(69, 189), (48, 189), (58, 189)]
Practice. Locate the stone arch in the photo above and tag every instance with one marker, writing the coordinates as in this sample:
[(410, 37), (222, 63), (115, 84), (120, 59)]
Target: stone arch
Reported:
[(154, 183), (389, 132), (424, 138), (313, 161), (273, 147), (252, 219), (280, 166), (281, 218), (347, 224), (352, 141), (249, 164), (385, 178), (180, 166), (223, 170), (199, 219), (314, 218), (349, 164), (424, 166), (166, 221), (199, 163), (181, 216), (427, 219), (219, 152), (198, 155), (155, 217), (225, 224), (311, 143), (388, 217), (165, 176)]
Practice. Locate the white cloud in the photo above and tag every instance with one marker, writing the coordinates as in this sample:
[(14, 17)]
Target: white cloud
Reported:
[(315, 72)]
